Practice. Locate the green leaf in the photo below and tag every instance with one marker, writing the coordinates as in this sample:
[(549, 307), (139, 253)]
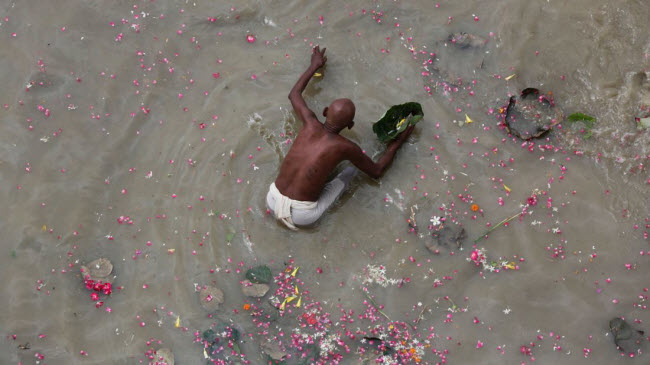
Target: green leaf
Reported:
[(209, 335), (259, 275), (387, 128), (577, 117), (229, 237), (588, 120)]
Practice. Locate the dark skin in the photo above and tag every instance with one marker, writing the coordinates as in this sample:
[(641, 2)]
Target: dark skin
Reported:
[(319, 148)]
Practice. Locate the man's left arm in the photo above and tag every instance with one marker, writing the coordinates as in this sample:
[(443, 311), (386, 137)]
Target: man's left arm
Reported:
[(318, 60)]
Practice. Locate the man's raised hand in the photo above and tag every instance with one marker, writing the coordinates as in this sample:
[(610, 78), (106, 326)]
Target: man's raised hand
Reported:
[(318, 58)]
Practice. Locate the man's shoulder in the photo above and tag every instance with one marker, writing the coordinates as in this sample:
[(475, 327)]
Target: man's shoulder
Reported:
[(345, 143)]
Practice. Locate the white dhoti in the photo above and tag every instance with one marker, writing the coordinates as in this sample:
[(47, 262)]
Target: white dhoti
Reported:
[(303, 213)]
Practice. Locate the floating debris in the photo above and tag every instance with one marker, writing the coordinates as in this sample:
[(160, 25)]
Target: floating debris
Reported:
[(585, 121), (259, 275)]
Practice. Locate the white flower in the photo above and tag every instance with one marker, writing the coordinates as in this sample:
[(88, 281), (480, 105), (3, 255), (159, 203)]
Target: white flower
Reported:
[(435, 220), (507, 311)]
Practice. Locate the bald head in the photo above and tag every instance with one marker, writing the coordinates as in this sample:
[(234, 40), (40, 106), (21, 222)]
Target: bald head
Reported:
[(340, 114)]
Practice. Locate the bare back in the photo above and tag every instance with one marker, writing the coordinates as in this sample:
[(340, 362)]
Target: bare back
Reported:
[(313, 156)]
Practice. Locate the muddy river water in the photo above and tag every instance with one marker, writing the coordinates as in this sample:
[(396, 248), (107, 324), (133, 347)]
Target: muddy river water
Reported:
[(147, 132)]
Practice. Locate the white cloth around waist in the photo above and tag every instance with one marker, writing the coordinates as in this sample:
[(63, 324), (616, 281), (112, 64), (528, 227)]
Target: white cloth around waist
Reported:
[(283, 205)]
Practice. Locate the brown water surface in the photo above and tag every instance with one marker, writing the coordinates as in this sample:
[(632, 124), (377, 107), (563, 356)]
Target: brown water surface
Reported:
[(153, 111)]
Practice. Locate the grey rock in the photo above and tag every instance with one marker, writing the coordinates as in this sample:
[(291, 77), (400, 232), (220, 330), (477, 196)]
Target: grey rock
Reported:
[(626, 338), (164, 356), (210, 298), (449, 237), (99, 269), (466, 40), (273, 350), (254, 290), (531, 114)]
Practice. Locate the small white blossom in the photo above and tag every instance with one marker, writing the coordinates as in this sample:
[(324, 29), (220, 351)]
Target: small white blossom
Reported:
[(377, 274)]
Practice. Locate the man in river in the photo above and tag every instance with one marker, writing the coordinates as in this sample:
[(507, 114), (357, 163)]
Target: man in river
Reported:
[(301, 193)]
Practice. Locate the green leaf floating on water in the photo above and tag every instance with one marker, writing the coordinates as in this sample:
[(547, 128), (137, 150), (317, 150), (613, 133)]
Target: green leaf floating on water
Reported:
[(209, 335), (396, 120), (229, 237), (259, 275), (588, 120)]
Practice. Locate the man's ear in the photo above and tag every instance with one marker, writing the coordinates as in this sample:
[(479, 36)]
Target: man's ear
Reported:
[(325, 111)]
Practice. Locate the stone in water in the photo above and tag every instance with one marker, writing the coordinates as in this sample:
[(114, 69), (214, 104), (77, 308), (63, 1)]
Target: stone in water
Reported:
[(531, 115), (273, 350), (626, 338), (449, 237), (99, 269), (464, 40), (210, 298), (254, 290), (164, 356)]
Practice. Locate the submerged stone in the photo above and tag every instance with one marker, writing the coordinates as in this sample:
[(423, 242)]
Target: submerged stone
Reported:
[(164, 356), (40, 83), (369, 358), (210, 298), (531, 114), (98, 270), (254, 290), (273, 350), (466, 40), (626, 338), (450, 237)]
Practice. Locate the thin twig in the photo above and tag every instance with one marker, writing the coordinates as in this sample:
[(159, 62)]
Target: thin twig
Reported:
[(497, 226), (376, 306), (421, 313)]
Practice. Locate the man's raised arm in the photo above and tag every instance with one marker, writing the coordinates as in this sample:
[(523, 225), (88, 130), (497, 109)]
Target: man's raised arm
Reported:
[(318, 60)]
